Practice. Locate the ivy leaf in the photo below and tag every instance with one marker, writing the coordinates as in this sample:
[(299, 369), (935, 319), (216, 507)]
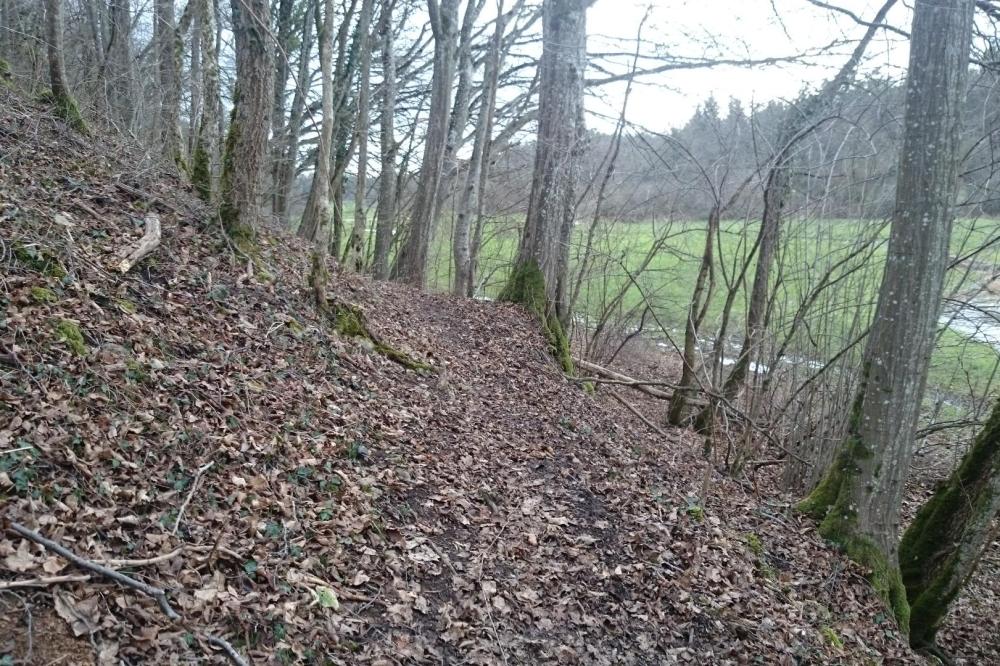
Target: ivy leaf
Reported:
[(326, 597)]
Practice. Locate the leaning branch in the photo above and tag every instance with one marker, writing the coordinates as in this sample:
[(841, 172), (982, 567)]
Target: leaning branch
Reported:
[(625, 380)]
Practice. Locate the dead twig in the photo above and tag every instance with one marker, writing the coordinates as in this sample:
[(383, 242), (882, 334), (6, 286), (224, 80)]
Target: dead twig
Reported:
[(43, 582), (623, 379), (187, 500), (152, 592), (230, 651), (652, 426)]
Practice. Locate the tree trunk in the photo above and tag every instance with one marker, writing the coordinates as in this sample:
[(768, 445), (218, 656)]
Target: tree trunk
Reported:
[(166, 37), (354, 257), (469, 204), (858, 500), (288, 144), (388, 147), (411, 264), (62, 99), (284, 28), (942, 547), (317, 209), (246, 141), (206, 147), (538, 279), (117, 67)]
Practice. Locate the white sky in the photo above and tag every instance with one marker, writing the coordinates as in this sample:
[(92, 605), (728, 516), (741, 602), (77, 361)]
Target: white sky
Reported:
[(734, 29)]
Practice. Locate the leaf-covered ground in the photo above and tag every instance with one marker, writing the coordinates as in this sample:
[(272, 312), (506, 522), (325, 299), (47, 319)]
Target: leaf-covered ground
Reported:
[(354, 511)]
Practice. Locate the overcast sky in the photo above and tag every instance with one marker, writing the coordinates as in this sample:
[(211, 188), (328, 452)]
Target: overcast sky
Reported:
[(736, 29)]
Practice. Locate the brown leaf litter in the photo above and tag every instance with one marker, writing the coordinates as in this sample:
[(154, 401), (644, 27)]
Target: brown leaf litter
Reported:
[(355, 512)]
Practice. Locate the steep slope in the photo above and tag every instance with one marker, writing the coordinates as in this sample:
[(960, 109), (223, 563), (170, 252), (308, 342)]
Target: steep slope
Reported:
[(308, 500)]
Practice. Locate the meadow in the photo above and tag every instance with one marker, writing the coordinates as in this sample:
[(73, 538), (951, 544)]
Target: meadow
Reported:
[(833, 265)]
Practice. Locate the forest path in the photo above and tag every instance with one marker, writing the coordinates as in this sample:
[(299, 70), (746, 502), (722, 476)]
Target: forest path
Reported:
[(490, 511)]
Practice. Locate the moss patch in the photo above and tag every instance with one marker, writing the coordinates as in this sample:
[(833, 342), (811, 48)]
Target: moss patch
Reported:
[(831, 504), (349, 321), (43, 295), (39, 260), (201, 172), (70, 335), (831, 637), (66, 109), (526, 286)]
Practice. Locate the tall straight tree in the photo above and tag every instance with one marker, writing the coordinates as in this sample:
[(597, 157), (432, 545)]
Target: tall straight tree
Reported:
[(246, 140), (167, 55), (411, 264), (62, 98), (858, 500), (316, 212), (388, 147), (354, 254), (470, 199), (539, 277)]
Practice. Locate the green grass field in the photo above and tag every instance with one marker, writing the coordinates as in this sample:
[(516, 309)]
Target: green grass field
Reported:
[(843, 255)]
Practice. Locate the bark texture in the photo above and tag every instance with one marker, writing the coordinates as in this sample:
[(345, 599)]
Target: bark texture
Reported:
[(246, 141), (388, 147), (540, 274)]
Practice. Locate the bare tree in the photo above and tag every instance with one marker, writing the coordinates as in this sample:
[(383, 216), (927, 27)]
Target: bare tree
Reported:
[(62, 98), (354, 255), (411, 263), (540, 275), (388, 147)]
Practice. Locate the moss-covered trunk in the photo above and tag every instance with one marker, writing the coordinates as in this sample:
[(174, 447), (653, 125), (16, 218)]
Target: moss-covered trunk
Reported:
[(526, 286), (858, 500), (940, 550)]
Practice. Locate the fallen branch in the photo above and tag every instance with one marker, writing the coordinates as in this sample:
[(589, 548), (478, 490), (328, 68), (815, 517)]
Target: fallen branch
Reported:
[(150, 241), (194, 486), (624, 380), (230, 651), (43, 582), (152, 592), (652, 426)]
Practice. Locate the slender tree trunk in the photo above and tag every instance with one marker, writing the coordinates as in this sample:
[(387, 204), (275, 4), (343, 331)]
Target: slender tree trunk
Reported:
[(858, 501), (411, 264), (279, 127), (62, 99), (204, 171), (469, 203), (246, 141), (388, 147), (317, 205), (354, 257), (285, 166), (118, 65), (165, 32), (538, 279)]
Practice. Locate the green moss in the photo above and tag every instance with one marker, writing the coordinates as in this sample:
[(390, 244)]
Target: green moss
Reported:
[(930, 551), (43, 295), (66, 109), (831, 637), (241, 233), (831, 503), (755, 544), (349, 321), (69, 334), (38, 259), (526, 286), (201, 172), (126, 305)]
